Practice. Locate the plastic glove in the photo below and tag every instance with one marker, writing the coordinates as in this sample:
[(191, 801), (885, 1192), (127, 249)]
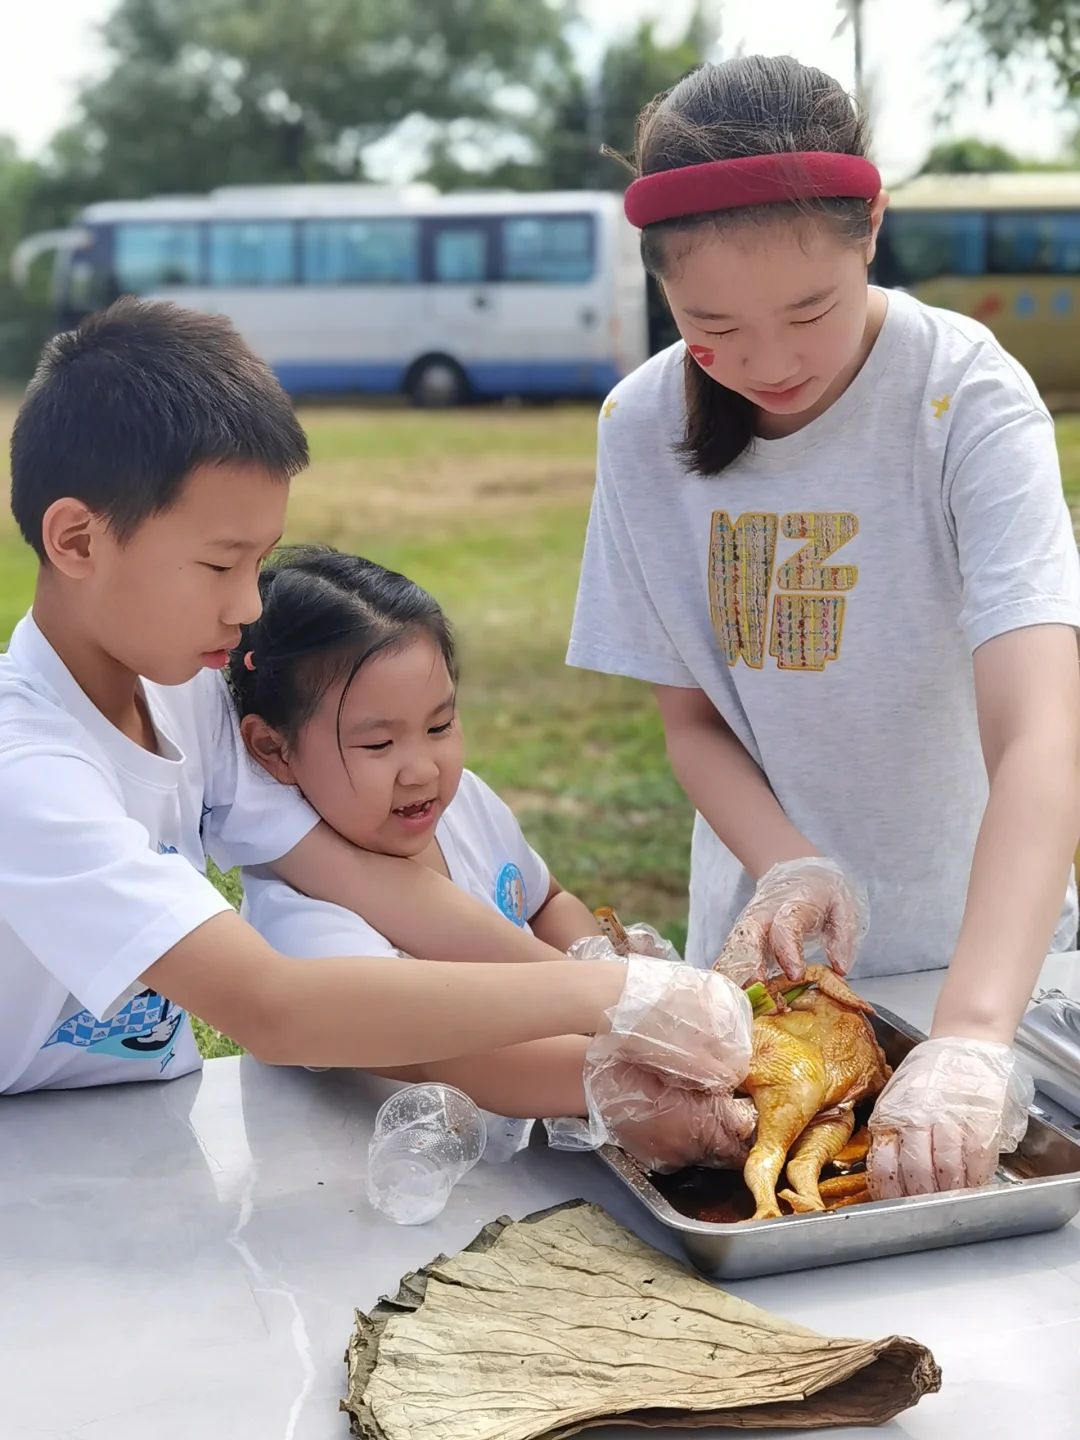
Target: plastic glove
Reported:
[(644, 940), (693, 1027), (797, 902), (570, 1132), (667, 1126), (675, 1031), (952, 1107)]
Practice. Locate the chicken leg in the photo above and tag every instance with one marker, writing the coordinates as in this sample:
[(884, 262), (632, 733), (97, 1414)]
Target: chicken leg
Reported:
[(820, 1142)]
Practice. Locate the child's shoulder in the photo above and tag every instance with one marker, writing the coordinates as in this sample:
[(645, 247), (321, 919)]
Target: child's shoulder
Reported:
[(42, 705), (962, 356), (477, 811), (475, 797), (32, 713), (654, 391)]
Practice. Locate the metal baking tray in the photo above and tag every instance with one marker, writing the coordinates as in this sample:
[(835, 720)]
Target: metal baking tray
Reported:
[(1037, 1188), (1048, 1041)]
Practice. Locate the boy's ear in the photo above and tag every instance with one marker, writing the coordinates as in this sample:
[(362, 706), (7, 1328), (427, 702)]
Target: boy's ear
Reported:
[(68, 531), (266, 746)]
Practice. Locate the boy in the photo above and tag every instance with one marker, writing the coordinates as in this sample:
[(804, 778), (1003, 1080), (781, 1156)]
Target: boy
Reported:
[(150, 470)]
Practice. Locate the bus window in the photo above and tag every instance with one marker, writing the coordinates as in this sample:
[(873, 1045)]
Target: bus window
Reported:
[(243, 253), (1036, 243), (361, 252), (150, 257), (554, 249), (917, 245), (459, 254)]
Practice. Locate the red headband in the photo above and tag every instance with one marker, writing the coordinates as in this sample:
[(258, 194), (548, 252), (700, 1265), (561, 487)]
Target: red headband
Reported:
[(750, 180)]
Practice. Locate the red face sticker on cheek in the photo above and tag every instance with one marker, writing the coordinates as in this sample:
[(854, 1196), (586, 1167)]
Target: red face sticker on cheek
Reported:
[(703, 355)]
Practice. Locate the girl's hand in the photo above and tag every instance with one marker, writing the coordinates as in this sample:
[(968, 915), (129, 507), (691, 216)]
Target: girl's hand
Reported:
[(644, 940), (661, 1080), (667, 1127), (945, 1117), (795, 902)]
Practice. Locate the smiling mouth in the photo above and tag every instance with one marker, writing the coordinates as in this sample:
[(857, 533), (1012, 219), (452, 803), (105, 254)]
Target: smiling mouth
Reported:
[(416, 811)]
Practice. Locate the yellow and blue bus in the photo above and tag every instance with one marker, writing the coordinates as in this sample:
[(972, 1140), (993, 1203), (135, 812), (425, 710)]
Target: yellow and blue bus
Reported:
[(1003, 248)]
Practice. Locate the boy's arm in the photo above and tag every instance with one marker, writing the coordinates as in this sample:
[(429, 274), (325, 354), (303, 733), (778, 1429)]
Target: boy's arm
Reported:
[(562, 919), (539, 1080), (374, 1013), (417, 909)]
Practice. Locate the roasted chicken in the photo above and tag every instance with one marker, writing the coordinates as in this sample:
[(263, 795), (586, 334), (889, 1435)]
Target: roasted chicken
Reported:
[(813, 1060)]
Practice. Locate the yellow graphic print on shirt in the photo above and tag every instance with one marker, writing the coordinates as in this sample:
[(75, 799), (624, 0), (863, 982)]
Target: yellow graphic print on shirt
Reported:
[(740, 568), (806, 569), (806, 630), (806, 622)]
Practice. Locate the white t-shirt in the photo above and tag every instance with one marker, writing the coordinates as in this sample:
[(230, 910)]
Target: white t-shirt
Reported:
[(102, 858), (485, 853), (827, 592)]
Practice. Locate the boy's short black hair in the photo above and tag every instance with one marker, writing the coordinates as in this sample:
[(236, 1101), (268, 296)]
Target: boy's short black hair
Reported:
[(121, 410)]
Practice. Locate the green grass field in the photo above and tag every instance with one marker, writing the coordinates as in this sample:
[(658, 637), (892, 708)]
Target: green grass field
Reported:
[(487, 509)]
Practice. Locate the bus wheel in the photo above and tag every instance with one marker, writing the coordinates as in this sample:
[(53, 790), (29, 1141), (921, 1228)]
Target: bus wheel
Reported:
[(437, 383)]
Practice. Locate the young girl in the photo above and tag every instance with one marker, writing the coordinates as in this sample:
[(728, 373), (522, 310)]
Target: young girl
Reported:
[(829, 528), (346, 687)]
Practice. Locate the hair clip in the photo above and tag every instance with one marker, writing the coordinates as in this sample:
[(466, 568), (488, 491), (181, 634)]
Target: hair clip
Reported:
[(249, 660)]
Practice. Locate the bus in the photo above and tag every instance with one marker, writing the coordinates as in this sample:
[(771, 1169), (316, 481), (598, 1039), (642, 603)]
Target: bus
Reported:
[(1003, 248), (363, 289)]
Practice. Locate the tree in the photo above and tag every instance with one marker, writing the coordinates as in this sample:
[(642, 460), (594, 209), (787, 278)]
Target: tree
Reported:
[(970, 156), (207, 92), (23, 317), (638, 68), (1008, 29), (578, 115)]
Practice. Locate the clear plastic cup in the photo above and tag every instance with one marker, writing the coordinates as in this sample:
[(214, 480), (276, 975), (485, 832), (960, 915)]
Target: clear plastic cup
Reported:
[(426, 1138)]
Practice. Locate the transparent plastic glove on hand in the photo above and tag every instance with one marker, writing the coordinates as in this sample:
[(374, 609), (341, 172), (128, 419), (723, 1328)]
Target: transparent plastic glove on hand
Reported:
[(570, 1132), (797, 903), (952, 1107), (644, 940), (661, 1080), (667, 1126)]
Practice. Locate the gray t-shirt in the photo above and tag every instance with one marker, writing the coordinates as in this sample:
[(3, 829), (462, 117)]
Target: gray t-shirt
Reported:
[(827, 592)]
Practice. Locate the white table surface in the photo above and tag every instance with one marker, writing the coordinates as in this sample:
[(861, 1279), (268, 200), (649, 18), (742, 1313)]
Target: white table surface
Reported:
[(181, 1262)]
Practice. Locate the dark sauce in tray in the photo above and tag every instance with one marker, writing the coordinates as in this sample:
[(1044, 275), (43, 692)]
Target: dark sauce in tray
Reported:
[(717, 1196), (720, 1197)]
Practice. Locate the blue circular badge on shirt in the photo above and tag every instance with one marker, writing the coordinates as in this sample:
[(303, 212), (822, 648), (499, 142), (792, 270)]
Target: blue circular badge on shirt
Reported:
[(510, 893)]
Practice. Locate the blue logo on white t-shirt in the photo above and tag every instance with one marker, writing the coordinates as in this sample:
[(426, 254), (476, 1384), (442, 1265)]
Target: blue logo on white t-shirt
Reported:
[(510, 894), (146, 1026)]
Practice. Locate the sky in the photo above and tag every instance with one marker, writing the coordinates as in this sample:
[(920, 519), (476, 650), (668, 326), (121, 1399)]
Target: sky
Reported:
[(49, 45)]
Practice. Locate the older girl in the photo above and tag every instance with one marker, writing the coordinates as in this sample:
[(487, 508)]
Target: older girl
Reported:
[(829, 529)]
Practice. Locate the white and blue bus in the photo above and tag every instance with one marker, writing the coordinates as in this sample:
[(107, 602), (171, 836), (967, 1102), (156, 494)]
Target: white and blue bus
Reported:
[(355, 288)]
